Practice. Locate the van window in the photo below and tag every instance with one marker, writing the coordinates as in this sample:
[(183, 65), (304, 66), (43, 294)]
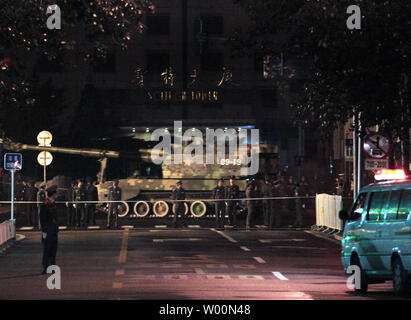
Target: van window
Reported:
[(377, 201), (405, 205), (393, 205), (359, 203)]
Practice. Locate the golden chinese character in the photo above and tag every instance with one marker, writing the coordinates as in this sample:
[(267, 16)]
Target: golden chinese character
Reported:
[(168, 77), (226, 77)]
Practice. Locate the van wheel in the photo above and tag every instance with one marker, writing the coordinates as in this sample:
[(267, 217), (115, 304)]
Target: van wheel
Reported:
[(399, 277), (364, 281)]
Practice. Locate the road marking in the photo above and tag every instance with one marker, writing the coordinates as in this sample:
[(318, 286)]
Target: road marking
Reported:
[(245, 248), (294, 247), (26, 228), (120, 272), (199, 271), (280, 240), (279, 275), (127, 227), (124, 243), (177, 239), (224, 235), (62, 227), (194, 226), (175, 277), (172, 265), (160, 226), (117, 285), (259, 260), (244, 266), (93, 227), (250, 277), (218, 277), (216, 266)]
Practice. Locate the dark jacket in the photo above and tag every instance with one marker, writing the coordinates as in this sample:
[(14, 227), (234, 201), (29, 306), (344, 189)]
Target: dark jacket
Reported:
[(91, 193), (178, 194), (114, 194), (219, 193), (232, 192), (48, 218)]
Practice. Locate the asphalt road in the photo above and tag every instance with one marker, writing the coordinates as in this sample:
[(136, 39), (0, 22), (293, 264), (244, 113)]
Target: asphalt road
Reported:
[(182, 264)]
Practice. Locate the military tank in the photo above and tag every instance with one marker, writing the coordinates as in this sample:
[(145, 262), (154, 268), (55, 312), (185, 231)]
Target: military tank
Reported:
[(144, 196)]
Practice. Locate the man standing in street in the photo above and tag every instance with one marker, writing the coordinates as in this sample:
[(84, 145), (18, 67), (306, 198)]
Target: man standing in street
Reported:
[(91, 195), (232, 192), (219, 195), (251, 193), (178, 194), (40, 198), (114, 194), (49, 229), (70, 196), (80, 197), (298, 223), (266, 191)]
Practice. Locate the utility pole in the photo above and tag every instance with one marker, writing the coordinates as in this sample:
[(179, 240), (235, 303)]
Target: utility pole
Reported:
[(360, 146), (355, 153)]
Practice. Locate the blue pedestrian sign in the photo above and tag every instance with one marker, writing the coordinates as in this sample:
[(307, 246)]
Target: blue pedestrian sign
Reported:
[(13, 161)]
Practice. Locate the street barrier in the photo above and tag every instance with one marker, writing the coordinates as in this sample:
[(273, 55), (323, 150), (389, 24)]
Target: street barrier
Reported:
[(327, 208), (7, 231)]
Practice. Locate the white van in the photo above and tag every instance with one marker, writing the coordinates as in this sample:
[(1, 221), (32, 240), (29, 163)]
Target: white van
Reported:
[(377, 233)]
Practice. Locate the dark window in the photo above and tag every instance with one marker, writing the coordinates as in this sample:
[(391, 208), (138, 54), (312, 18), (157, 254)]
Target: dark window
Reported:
[(394, 203), (158, 25), (405, 206), (269, 98), (359, 203), (46, 65), (158, 61), (377, 203), (106, 65), (212, 25), (213, 62)]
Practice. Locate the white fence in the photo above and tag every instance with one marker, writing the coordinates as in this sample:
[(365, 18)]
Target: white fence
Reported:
[(7, 231), (327, 208)]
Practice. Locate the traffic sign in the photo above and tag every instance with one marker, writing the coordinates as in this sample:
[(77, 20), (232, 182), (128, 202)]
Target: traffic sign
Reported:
[(377, 146), (44, 138), (13, 161), (375, 164), (44, 158)]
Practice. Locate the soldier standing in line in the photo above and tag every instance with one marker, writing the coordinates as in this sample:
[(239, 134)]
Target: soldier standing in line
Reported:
[(274, 203), (266, 193), (232, 192), (91, 195), (80, 197), (250, 193), (178, 194), (114, 194), (49, 229), (40, 198), (70, 196), (219, 195), (22, 196)]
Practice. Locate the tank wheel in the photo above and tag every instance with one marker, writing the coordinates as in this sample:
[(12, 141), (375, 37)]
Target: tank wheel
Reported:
[(399, 277), (198, 209), (141, 208), (123, 209), (363, 278), (161, 208), (185, 208)]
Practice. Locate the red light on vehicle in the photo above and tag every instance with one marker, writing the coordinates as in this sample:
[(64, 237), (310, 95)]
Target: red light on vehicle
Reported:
[(386, 174)]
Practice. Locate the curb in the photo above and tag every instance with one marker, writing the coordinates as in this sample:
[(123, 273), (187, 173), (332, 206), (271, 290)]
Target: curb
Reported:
[(335, 239)]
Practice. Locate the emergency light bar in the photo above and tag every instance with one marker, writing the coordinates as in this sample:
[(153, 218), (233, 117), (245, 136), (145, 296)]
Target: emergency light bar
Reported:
[(386, 174)]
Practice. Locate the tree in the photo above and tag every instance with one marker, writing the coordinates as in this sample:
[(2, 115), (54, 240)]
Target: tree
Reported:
[(24, 36), (363, 70)]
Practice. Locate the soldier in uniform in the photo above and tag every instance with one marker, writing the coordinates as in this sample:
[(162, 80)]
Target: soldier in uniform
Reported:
[(91, 195), (219, 195), (250, 193), (40, 198), (49, 229), (114, 194), (79, 198), (70, 196), (178, 194), (232, 192), (266, 191)]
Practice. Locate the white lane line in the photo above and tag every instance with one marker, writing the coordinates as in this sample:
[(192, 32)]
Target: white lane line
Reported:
[(93, 227), (177, 239), (245, 248), (224, 235), (26, 228), (279, 275), (194, 226), (280, 240), (259, 259), (160, 226), (62, 227), (124, 244), (127, 227)]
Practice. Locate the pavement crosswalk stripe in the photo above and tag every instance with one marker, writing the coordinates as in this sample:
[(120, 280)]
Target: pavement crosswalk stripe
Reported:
[(160, 226), (279, 275), (218, 277), (26, 228), (280, 240), (93, 227), (245, 248), (259, 259), (250, 277), (194, 226), (124, 243), (216, 266), (224, 235)]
